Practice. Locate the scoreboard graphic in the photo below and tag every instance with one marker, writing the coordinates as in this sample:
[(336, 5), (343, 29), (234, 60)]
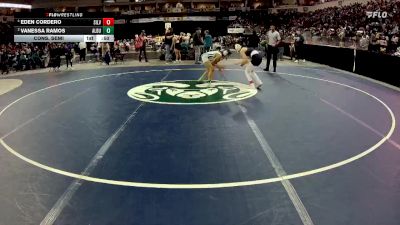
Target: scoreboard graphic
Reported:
[(63, 27)]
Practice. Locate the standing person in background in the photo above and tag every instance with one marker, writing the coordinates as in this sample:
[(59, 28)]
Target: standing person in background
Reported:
[(127, 45), (281, 47), (299, 45), (187, 38), (93, 50), (99, 52), (75, 52), (60, 51), (208, 42), (254, 40), (177, 41), (82, 51), (292, 48), (197, 43), (4, 61), (168, 43), (383, 43), (106, 53), (341, 34), (46, 55), (394, 42), (273, 39), (373, 45), (364, 41), (51, 56), (68, 56), (140, 43), (55, 57)]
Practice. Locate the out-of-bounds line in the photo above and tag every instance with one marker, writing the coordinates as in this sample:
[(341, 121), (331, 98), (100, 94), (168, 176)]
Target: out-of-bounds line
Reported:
[(279, 170), (344, 72), (204, 185), (44, 113), (395, 144), (59, 206), (359, 121)]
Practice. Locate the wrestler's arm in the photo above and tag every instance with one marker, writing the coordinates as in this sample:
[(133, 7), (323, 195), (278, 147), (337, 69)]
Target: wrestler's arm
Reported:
[(244, 59), (216, 60)]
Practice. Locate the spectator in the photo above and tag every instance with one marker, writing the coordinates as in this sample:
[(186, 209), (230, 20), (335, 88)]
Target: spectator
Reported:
[(177, 46), (373, 42), (254, 40), (299, 45), (397, 53), (168, 43), (208, 42), (4, 62), (93, 50), (394, 42), (197, 43), (167, 6), (341, 35), (141, 42), (292, 48), (364, 41), (55, 57), (68, 56), (36, 60), (127, 46), (179, 5), (280, 47), (340, 25), (187, 38), (82, 51), (106, 50), (382, 43)]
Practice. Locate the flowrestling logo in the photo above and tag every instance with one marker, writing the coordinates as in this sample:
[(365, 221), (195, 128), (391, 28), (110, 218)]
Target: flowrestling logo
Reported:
[(190, 92), (377, 14), (64, 15)]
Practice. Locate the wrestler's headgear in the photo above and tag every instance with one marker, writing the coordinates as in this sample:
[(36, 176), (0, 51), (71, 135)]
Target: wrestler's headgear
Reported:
[(238, 47), (226, 52)]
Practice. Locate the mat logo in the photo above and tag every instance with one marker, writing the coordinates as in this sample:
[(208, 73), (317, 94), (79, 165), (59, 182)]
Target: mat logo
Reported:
[(191, 92)]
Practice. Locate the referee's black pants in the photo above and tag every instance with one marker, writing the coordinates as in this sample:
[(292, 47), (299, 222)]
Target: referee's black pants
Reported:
[(271, 52), (299, 52)]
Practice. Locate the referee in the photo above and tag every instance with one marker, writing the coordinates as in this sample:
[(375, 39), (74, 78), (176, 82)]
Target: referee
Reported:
[(273, 39)]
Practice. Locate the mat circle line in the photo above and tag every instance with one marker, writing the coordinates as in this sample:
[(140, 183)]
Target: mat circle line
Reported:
[(202, 185)]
